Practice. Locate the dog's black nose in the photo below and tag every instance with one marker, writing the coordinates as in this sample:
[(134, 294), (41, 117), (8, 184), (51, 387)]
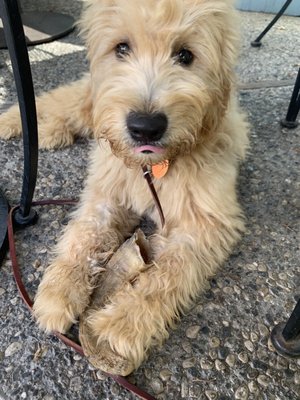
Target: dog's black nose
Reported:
[(148, 127)]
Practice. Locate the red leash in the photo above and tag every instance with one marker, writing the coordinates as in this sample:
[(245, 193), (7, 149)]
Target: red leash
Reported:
[(29, 303)]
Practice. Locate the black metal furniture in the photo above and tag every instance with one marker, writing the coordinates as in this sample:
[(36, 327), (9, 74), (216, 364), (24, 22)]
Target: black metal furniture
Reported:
[(4, 208), (293, 110), (15, 39), (286, 336), (41, 26), (257, 41)]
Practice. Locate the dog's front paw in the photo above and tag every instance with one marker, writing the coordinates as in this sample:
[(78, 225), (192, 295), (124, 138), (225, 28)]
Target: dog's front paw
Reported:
[(53, 311), (53, 134), (99, 352), (10, 123), (107, 360), (62, 296)]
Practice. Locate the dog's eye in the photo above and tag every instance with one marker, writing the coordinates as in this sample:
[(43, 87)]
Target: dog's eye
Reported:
[(122, 49), (185, 57)]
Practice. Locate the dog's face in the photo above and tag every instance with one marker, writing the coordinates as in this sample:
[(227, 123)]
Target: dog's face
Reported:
[(161, 73)]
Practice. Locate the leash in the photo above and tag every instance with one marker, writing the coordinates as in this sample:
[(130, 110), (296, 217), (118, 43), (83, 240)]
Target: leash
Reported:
[(29, 303), (148, 176)]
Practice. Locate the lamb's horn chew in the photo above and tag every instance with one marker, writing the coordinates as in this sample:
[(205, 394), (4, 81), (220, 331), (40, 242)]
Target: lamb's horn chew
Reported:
[(130, 259)]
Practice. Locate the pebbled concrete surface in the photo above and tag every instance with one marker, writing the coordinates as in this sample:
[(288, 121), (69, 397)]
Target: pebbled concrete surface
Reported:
[(221, 349)]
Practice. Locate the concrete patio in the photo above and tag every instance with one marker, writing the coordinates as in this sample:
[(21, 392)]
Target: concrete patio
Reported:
[(221, 349)]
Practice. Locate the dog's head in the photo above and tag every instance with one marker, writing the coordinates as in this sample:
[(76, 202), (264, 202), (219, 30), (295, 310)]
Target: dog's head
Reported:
[(161, 73)]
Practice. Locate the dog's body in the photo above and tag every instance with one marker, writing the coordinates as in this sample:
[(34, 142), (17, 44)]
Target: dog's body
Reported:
[(160, 89)]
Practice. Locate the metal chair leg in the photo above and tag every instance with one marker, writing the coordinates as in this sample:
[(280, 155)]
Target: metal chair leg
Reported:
[(16, 44), (286, 337), (4, 208), (257, 41), (290, 120)]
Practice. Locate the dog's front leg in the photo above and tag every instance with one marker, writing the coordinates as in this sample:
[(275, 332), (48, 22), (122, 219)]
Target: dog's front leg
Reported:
[(62, 114), (138, 316), (89, 240)]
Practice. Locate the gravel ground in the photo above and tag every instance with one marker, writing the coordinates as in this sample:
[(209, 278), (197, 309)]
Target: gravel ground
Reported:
[(221, 348)]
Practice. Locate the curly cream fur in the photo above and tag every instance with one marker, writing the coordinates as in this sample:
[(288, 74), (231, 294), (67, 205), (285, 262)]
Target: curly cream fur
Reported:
[(205, 140)]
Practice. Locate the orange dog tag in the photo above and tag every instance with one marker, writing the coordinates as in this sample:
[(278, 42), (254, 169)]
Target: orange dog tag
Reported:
[(160, 170)]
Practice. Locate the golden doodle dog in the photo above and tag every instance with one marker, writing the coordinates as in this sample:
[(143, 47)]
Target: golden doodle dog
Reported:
[(160, 89)]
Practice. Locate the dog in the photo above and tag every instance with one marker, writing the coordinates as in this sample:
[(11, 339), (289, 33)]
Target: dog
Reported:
[(161, 89)]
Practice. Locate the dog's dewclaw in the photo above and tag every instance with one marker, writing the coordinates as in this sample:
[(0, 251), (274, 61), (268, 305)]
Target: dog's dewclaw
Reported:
[(124, 266)]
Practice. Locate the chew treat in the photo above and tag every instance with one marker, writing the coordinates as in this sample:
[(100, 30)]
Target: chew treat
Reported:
[(123, 267)]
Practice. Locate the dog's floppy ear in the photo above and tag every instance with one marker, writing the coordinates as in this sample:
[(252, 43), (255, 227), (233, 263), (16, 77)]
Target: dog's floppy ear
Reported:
[(223, 71), (220, 97)]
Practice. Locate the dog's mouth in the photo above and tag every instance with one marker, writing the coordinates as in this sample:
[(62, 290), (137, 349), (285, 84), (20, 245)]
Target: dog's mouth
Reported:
[(149, 149)]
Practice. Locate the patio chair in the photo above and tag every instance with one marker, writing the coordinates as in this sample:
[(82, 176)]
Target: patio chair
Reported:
[(41, 26), (290, 120)]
